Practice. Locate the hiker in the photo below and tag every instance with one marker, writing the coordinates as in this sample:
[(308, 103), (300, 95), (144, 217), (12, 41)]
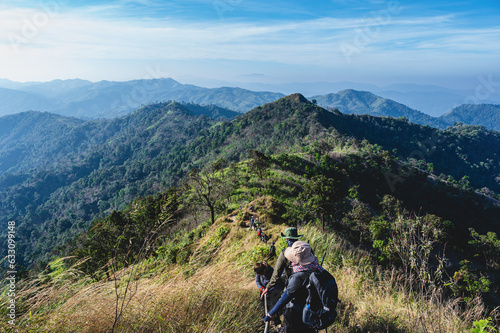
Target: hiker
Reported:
[(252, 209), (259, 231), (264, 238), (272, 251), (294, 298), (252, 222), (282, 264), (263, 273)]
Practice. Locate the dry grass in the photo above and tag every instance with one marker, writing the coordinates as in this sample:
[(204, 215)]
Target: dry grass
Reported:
[(215, 299), (377, 300), (222, 297)]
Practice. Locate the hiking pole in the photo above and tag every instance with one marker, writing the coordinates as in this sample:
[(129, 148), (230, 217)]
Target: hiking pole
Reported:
[(265, 309), (324, 255)]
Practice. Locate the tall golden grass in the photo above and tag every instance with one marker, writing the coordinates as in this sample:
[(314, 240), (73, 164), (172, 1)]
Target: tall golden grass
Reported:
[(221, 296)]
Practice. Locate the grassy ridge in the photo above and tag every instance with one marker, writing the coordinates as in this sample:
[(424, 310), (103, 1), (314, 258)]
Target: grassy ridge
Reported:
[(200, 279), (222, 296)]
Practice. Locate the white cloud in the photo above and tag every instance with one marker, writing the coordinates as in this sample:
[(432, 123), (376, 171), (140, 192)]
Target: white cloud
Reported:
[(70, 37)]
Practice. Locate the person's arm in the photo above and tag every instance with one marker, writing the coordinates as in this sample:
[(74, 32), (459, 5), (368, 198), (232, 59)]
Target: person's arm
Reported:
[(285, 298), (278, 270)]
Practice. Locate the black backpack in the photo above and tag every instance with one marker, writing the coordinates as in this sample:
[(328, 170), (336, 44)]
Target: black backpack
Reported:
[(321, 303)]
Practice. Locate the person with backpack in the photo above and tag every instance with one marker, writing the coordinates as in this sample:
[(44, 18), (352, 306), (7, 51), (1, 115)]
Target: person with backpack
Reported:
[(282, 265), (296, 296), (272, 251), (264, 238)]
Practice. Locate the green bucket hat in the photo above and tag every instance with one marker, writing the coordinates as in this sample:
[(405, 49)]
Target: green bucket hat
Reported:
[(291, 233)]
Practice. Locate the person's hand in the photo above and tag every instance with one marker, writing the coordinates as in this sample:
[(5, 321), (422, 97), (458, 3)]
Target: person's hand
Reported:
[(264, 292), (267, 318)]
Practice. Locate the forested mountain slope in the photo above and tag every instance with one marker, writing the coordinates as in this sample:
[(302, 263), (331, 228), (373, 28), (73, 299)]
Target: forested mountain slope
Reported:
[(363, 102), (157, 145), (397, 269), (487, 115), (70, 174)]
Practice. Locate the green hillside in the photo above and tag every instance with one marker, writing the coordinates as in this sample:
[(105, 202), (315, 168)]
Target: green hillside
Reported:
[(70, 171), (34, 139), (363, 102), (487, 115), (161, 265), (155, 147)]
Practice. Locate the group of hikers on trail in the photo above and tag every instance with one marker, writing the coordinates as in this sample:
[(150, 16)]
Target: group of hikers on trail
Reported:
[(310, 293), (254, 224)]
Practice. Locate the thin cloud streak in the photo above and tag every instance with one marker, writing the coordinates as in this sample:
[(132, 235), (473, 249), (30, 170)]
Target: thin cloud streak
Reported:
[(81, 35)]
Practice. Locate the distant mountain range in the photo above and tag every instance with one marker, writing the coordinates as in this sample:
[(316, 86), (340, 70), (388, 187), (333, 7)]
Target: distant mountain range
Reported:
[(363, 102), (108, 99), (430, 99), (487, 115)]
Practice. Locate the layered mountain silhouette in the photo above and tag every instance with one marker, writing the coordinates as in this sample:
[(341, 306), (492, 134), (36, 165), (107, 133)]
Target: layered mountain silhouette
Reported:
[(108, 99), (363, 102), (487, 115)]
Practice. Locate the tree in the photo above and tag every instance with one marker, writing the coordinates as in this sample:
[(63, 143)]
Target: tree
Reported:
[(258, 163), (207, 187), (360, 217), (321, 195), (488, 245)]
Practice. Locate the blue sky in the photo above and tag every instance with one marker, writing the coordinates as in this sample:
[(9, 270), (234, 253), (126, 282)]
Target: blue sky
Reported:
[(449, 43)]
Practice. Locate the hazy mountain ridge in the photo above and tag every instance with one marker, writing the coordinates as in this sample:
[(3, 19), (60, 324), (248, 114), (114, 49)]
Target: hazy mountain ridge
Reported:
[(108, 99), (363, 102), (432, 100), (487, 115)]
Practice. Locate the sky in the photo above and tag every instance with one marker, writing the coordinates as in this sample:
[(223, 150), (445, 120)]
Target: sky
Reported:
[(447, 43)]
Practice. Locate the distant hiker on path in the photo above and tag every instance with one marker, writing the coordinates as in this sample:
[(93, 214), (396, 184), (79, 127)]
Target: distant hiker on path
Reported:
[(272, 251), (294, 298), (263, 273), (282, 263), (264, 237), (252, 222)]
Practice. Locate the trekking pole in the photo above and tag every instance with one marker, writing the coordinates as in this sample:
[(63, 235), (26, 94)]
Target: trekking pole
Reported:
[(265, 309), (323, 259)]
